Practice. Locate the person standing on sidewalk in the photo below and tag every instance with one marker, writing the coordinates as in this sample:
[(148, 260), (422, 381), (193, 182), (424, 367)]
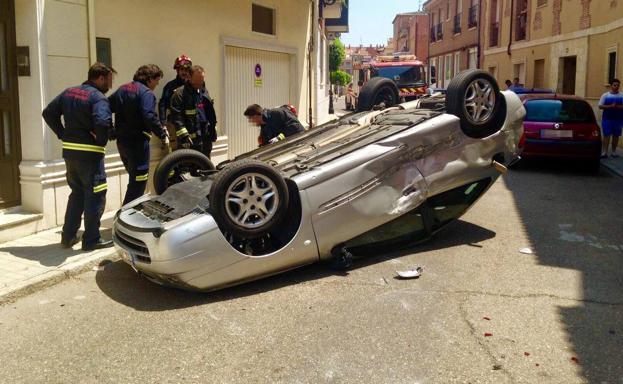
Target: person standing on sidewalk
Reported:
[(612, 119), (192, 113), (182, 65), (87, 123), (134, 106)]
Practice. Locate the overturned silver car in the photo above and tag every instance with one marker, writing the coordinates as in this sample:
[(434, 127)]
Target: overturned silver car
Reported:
[(355, 185)]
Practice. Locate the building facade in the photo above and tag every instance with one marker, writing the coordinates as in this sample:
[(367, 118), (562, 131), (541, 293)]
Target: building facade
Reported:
[(411, 34), (454, 38), (54, 42), (568, 46)]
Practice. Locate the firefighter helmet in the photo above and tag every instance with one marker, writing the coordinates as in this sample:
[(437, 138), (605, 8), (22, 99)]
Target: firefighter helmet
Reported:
[(183, 60)]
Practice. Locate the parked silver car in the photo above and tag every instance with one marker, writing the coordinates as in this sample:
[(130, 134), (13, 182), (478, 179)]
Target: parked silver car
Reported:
[(364, 182)]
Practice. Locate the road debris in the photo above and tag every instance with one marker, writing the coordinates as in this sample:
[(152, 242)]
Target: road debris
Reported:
[(488, 334), (497, 367), (486, 318), (526, 250), (526, 353), (102, 265), (410, 274), (575, 360)]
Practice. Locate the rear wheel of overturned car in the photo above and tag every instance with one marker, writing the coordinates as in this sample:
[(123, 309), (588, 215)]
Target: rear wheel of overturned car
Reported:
[(378, 91), (248, 198), (474, 97), (178, 166)]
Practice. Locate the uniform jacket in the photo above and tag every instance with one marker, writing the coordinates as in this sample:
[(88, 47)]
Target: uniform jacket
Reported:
[(192, 113), (278, 121), (87, 120), (165, 100), (134, 106)]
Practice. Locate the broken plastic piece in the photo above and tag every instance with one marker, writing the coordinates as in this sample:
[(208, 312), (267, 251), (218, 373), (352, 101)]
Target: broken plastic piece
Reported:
[(410, 274), (527, 251), (487, 334)]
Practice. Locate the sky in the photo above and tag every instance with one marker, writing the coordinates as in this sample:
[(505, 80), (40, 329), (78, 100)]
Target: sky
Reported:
[(370, 21)]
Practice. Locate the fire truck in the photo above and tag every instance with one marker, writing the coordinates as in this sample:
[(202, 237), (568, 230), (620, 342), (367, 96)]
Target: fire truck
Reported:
[(405, 70)]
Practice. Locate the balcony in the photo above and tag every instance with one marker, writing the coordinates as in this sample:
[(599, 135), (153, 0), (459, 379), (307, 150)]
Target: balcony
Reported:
[(439, 32), (522, 24), (494, 34), (472, 21), (457, 23)]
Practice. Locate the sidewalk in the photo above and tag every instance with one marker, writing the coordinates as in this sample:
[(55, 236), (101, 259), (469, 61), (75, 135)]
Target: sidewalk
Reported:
[(613, 165), (38, 260)]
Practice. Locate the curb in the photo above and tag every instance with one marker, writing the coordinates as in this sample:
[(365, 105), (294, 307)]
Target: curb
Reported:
[(612, 170), (53, 277)]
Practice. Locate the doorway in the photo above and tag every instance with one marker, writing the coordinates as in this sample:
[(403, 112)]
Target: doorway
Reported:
[(568, 75), (10, 153)]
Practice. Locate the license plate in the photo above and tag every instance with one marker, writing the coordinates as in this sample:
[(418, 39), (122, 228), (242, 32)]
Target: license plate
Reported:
[(556, 133)]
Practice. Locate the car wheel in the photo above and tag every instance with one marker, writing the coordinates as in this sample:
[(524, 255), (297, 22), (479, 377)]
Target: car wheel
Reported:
[(178, 166), (474, 97), (377, 91), (248, 198)]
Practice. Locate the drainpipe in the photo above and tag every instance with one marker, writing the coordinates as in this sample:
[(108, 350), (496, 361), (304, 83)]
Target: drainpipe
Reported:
[(510, 35), (310, 51), (480, 26)]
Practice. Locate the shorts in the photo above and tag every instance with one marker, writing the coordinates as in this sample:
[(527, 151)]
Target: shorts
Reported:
[(611, 127)]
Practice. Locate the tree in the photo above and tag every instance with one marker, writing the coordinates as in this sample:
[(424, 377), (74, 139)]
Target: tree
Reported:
[(340, 78), (337, 54)]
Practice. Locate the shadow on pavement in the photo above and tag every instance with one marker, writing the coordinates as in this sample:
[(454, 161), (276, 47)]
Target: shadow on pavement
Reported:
[(119, 282), (575, 221)]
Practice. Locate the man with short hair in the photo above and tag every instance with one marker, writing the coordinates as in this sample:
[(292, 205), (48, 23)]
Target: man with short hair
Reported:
[(275, 124), (515, 85), (87, 116), (193, 114), (612, 119), (134, 106)]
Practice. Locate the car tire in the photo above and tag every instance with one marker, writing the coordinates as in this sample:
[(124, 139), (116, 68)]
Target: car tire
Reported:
[(231, 194), (179, 162), (475, 98), (376, 91)]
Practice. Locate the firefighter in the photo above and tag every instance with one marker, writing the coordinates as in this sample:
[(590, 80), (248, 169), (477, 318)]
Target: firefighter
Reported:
[(87, 116), (276, 124), (134, 106), (182, 65), (193, 115)]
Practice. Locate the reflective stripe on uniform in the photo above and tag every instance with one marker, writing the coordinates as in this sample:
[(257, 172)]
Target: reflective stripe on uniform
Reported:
[(171, 173), (181, 132), (193, 135), (281, 136), (147, 134), (190, 111), (100, 188), (83, 147), (142, 177)]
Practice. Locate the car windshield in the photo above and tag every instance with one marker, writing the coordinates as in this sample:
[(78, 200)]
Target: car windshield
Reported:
[(406, 74), (561, 111)]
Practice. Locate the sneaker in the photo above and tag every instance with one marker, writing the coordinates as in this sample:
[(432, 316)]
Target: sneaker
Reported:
[(70, 243), (100, 244)]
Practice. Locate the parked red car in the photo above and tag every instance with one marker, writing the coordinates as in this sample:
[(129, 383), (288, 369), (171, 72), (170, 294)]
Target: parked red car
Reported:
[(561, 126)]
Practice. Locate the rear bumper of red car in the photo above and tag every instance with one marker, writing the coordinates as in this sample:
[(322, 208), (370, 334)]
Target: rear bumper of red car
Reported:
[(562, 149)]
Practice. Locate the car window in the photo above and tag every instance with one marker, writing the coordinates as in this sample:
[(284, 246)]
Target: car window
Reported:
[(559, 111), (406, 74), (452, 204)]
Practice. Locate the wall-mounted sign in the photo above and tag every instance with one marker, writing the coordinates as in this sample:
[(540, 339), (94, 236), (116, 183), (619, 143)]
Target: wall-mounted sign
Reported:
[(258, 70), (258, 82)]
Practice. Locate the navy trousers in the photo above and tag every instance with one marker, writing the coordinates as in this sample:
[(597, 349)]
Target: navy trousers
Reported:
[(135, 157), (87, 180)]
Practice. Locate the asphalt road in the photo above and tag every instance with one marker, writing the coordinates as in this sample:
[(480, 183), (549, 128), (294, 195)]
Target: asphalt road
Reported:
[(554, 316)]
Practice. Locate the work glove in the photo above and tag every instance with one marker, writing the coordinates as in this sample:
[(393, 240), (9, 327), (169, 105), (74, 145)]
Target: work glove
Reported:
[(277, 138), (165, 142), (187, 142)]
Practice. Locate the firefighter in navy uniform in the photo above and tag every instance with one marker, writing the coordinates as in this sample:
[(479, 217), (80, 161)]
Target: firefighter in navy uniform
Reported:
[(193, 115), (182, 66), (87, 122), (275, 124), (134, 106)]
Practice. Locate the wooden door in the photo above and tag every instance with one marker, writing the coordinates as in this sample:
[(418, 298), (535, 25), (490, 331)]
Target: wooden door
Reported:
[(10, 153)]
